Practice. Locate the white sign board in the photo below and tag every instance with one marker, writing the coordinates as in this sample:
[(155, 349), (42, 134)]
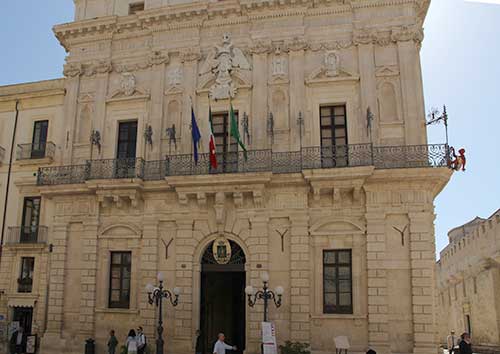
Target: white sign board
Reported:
[(31, 344), (269, 338)]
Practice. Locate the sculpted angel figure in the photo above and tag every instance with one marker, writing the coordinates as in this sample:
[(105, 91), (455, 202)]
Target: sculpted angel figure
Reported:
[(220, 62)]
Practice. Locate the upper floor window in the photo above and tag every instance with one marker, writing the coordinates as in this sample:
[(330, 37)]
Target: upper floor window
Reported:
[(39, 141), (226, 146), (135, 7), (337, 281), (119, 280), (333, 130), (31, 219), (25, 281)]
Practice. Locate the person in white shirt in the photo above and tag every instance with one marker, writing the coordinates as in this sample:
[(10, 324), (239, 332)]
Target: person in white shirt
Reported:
[(452, 342), (131, 342), (220, 347)]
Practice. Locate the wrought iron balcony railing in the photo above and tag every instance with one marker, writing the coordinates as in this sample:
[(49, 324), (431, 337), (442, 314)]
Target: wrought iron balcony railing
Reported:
[(24, 285), (381, 157), (26, 234), (35, 151)]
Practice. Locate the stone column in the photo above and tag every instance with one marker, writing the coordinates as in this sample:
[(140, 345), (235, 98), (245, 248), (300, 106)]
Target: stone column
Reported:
[(422, 248), (258, 118), (411, 85), (88, 276), (156, 111), (297, 92), (366, 57), (300, 278), (378, 336)]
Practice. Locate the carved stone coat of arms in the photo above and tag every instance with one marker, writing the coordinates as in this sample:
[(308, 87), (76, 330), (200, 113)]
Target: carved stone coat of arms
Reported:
[(221, 62)]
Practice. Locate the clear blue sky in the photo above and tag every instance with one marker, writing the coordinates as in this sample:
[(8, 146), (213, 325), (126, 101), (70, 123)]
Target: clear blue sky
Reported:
[(461, 67)]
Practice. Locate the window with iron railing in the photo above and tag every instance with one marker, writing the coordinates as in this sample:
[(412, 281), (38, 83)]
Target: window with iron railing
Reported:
[(25, 281)]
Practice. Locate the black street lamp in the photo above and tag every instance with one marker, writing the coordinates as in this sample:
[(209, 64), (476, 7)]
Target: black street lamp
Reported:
[(156, 296), (264, 294)]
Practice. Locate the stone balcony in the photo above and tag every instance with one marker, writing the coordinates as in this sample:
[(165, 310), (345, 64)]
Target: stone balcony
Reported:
[(309, 158)]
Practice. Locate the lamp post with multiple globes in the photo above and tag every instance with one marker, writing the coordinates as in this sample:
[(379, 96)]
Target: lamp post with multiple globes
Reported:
[(264, 294), (156, 296)]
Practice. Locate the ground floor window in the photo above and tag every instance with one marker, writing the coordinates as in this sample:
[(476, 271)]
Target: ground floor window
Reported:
[(337, 281), (120, 273)]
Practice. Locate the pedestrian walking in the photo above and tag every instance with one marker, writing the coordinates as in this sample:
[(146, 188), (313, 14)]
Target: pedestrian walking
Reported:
[(131, 342), (198, 348), (112, 342), (220, 346), (465, 345), (452, 342), (141, 341)]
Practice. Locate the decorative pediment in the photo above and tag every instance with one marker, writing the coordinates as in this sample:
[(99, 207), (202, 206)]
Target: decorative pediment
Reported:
[(387, 70), (336, 227), (120, 231)]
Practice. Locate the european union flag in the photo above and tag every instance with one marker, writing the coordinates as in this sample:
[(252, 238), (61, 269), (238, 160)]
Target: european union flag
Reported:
[(195, 134)]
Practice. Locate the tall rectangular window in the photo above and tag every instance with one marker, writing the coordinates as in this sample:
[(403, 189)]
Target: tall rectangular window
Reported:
[(119, 280), (126, 151), (333, 129), (25, 281), (31, 219), (337, 281), (39, 141), (226, 146)]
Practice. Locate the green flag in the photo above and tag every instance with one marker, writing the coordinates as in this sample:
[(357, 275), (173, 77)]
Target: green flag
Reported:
[(235, 131)]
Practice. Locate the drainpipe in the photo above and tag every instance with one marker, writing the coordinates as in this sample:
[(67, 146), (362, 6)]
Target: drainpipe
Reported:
[(8, 178)]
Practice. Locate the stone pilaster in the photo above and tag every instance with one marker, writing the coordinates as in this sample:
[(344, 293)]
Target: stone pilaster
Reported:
[(378, 337), (300, 278), (422, 248), (72, 87), (258, 259), (52, 338), (259, 99), (99, 121), (185, 246), (88, 275), (190, 74), (156, 111), (411, 87), (297, 95), (148, 274), (368, 85)]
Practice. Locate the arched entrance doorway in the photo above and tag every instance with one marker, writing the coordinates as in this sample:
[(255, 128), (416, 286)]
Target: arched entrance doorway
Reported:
[(222, 307)]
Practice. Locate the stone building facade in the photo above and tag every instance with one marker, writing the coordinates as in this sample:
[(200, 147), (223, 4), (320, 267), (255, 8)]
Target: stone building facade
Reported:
[(468, 282), (333, 198)]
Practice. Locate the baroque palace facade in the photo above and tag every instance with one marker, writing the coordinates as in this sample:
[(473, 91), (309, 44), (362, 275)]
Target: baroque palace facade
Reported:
[(333, 198)]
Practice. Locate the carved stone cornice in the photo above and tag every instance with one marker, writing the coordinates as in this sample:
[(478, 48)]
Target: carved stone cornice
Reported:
[(261, 47), (407, 33), (296, 44), (158, 58), (72, 69)]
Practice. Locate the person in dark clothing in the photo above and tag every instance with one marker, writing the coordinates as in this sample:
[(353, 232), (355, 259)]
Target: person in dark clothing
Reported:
[(198, 348), (18, 341), (465, 346), (371, 351)]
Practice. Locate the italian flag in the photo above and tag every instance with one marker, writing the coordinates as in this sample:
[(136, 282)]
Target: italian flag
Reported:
[(211, 144), (235, 131)]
